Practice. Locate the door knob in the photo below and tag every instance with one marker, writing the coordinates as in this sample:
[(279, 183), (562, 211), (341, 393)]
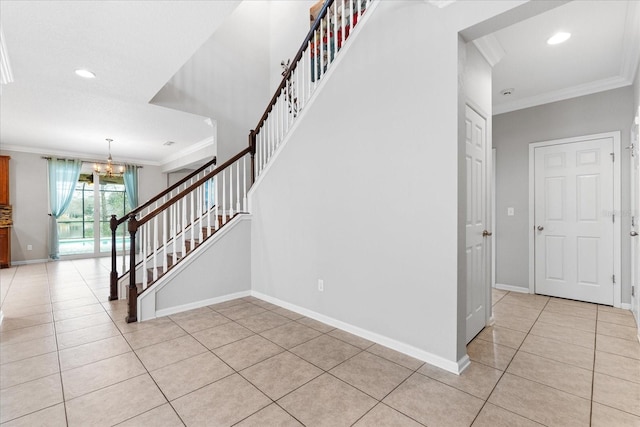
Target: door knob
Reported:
[(486, 233), (540, 228), (633, 233)]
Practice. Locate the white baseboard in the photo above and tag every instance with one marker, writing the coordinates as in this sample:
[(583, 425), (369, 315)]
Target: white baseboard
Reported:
[(30, 261), (1, 317), (512, 288), (625, 306), (425, 356), (193, 305)]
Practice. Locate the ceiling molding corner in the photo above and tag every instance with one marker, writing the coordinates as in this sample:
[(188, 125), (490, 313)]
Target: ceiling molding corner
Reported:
[(563, 94), (441, 4), (630, 45), (6, 75), (200, 145), (490, 48)]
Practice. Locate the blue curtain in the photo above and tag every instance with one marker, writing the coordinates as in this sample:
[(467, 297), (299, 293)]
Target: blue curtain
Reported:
[(131, 185), (63, 176)]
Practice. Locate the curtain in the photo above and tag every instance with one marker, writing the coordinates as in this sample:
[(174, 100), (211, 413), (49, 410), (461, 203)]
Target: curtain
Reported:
[(131, 185), (63, 176)]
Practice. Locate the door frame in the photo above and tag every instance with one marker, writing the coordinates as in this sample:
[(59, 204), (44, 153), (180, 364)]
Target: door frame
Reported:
[(617, 229)]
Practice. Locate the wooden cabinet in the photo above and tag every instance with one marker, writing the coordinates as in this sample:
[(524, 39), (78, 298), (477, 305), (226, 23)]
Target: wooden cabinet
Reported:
[(5, 230)]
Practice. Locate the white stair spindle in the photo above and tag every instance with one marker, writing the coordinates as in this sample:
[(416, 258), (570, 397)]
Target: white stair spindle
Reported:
[(224, 197), (231, 191), (192, 223), (215, 201), (208, 206), (343, 10), (174, 234), (237, 187), (244, 190), (335, 31), (143, 244), (200, 211), (154, 253), (183, 221), (165, 240)]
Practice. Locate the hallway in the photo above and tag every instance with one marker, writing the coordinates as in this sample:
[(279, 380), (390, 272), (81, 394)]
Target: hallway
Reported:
[(68, 358)]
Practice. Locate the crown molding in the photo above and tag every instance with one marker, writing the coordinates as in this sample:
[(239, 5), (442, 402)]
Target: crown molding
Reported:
[(71, 154), (6, 75), (490, 48), (562, 94), (200, 145)]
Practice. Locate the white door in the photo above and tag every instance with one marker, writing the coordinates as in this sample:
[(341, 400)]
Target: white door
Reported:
[(478, 253), (573, 220), (635, 218)]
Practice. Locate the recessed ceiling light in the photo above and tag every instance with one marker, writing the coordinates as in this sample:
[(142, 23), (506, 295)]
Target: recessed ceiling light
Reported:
[(85, 73), (558, 38), (507, 92)]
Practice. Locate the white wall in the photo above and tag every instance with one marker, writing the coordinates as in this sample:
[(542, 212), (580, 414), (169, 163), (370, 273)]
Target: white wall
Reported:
[(512, 134), (365, 193), (227, 79), (29, 197)]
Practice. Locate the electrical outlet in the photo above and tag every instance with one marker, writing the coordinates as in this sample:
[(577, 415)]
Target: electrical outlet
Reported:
[(29, 247), (321, 285), (510, 211)]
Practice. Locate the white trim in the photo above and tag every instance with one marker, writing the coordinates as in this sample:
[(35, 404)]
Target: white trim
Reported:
[(625, 306), (191, 306), (85, 157), (494, 210), (490, 48), (200, 145), (425, 356), (31, 261), (6, 75), (1, 317), (562, 94), (512, 288), (441, 4), (617, 229)]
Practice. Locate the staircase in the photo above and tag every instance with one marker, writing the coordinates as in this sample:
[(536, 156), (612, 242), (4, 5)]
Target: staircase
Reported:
[(179, 221)]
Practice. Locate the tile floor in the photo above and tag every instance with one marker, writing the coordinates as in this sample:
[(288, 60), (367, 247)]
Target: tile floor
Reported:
[(68, 358)]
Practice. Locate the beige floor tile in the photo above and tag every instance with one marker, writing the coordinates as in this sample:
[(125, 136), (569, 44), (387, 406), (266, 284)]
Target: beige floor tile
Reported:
[(574, 303), (290, 334), (263, 321), (614, 310), (190, 374), (384, 416), (502, 336), (157, 334), (222, 335), (570, 354), (504, 309), (580, 323), (26, 334), (201, 321), (564, 334), (618, 346), (318, 326), (72, 294), (116, 403), (623, 319), (29, 397), (280, 374), (72, 303), (526, 300), (224, 402), (325, 352), (583, 312), (288, 313), (10, 311), (371, 374), (165, 353), (84, 310), (540, 403), (477, 380), (87, 335), (561, 376), (622, 367), (351, 339), (616, 393), (92, 352), (327, 401), (127, 328), (22, 350), (82, 322), (395, 356), (24, 370), (97, 375), (161, 416), (272, 415), (237, 312), (514, 322), (430, 402), (53, 416), (490, 354), (246, 352), (497, 295), (605, 416), (12, 323), (226, 304), (493, 416), (619, 331)]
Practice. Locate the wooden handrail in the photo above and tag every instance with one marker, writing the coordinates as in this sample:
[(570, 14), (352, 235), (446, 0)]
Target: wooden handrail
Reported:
[(157, 211), (294, 62)]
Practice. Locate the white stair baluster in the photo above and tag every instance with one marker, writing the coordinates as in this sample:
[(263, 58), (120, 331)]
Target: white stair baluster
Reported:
[(224, 197), (200, 190), (192, 223), (215, 201), (174, 234), (237, 187), (183, 228), (165, 240), (230, 191), (244, 190), (154, 254), (143, 244)]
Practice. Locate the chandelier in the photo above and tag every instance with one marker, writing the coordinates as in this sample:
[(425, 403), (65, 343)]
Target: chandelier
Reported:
[(108, 168)]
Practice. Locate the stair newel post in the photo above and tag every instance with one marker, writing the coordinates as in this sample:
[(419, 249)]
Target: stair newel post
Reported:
[(132, 315), (252, 145), (113, 291)]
